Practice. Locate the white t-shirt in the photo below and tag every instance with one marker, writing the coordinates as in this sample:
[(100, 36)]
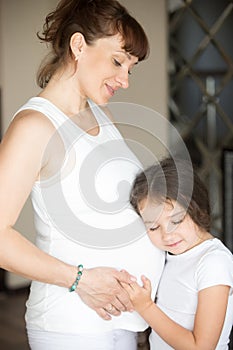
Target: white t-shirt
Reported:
[(206, 265), (82, 216)]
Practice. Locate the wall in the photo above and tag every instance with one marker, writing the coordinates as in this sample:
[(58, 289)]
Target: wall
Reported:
[(147, 131), (148, 84), (21, 53)]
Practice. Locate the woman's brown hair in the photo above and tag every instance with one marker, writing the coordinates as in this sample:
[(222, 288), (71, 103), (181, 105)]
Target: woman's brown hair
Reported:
[(95, 19)]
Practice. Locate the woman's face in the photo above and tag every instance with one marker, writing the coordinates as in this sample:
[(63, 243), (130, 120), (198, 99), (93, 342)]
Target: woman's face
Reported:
[(169, 227), (103, 68)]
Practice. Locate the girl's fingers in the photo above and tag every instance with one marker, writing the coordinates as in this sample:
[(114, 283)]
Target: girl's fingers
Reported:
[(146, 283), (127, 287)]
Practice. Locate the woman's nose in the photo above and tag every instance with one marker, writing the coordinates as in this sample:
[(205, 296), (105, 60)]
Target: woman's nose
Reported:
[(123, 79)]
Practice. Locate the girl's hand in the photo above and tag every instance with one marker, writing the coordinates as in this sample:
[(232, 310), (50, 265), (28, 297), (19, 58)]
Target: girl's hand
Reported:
[(140, 296), (101, 289)]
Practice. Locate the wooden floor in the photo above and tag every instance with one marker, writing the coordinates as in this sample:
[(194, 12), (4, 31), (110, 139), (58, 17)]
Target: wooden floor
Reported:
[(12, 325)]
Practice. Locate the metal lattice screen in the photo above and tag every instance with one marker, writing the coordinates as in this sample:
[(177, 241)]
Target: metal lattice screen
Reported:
[(201, 87)]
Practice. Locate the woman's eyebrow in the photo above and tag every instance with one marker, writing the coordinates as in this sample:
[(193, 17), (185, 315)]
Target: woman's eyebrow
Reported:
[(127, 55)]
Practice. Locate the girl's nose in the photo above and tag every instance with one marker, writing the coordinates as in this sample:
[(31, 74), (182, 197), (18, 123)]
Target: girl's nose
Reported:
[(167, 231)]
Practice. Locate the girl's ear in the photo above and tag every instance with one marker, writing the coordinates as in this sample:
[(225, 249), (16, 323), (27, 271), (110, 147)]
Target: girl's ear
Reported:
[(77, 44)]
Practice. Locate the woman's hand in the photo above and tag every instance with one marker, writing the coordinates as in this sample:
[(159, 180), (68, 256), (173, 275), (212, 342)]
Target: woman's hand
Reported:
[(140, 296), (101, 289)]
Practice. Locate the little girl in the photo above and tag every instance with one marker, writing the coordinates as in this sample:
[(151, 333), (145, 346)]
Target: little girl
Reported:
[(194, 304)]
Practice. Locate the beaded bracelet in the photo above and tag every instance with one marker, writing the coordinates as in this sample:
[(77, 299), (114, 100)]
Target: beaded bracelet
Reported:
[(79, 275)]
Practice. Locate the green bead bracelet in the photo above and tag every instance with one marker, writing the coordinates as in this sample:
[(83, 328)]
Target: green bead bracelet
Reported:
[(79, 275)]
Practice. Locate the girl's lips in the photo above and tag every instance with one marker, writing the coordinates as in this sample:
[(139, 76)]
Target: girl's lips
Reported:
[(174, 244)]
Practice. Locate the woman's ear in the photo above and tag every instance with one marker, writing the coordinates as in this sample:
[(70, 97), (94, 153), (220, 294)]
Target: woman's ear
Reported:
[(77, 43)]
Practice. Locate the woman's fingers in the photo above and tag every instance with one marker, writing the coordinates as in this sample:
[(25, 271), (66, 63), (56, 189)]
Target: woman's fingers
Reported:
[(125, 277), (103, 314), (112, 310), (101, 286), (124, 301)]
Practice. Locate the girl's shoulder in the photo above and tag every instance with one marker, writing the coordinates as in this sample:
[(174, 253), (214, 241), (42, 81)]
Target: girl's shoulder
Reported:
[(216, 247), (215, 265)]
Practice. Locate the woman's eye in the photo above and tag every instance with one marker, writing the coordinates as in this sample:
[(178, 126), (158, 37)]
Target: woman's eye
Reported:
[(117, 63)]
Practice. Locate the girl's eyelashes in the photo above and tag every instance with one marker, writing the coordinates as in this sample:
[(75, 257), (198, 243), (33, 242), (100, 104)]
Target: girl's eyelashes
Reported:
[(173, 222), (177, 222), (152, 229)]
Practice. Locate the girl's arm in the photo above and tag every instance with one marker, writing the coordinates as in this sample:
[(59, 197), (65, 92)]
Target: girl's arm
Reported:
[(209, 319), (21, 160)]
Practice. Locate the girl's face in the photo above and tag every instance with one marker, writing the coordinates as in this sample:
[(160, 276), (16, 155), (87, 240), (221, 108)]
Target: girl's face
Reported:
[(169, 227), (103, 68)]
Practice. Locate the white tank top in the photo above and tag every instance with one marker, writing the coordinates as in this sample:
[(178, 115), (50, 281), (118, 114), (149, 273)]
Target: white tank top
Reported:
[(82, 215)]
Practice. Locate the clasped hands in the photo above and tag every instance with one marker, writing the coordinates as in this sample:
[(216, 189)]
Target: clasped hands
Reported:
[(109, 291)]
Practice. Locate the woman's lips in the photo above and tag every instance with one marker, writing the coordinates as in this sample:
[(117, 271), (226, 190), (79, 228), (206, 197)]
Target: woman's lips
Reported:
[(110, 90)]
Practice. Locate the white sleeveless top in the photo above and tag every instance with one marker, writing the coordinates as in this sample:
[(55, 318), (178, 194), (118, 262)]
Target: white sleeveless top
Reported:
[(82, 215)]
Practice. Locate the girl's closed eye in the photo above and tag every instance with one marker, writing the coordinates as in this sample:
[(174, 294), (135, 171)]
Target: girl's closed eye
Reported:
[(154, 228), (178, 221), (173, 222)]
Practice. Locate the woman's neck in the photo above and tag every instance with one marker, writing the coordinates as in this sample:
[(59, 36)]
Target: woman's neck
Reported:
[(64, 93)]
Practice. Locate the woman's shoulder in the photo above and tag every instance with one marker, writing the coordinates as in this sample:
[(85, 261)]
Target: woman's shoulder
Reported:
[(28, 127), (32, 126), (30, 119)]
